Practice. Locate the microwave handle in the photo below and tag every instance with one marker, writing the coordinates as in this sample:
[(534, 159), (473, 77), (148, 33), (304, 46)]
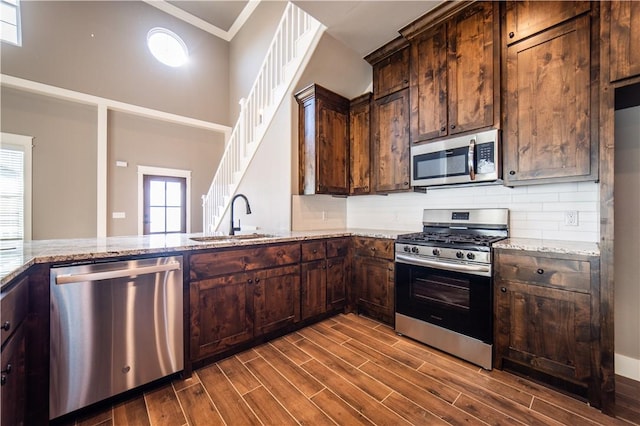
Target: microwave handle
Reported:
[(471, 159)]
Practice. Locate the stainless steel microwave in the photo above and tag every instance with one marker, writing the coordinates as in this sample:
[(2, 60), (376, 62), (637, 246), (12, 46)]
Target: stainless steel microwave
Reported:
[(462, 159)]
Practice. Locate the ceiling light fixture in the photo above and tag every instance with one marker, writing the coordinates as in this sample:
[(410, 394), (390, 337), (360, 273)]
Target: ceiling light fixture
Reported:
[(167, 47)]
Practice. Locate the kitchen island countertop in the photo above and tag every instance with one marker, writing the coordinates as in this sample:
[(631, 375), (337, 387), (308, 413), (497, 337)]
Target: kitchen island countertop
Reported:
[(19, 256)]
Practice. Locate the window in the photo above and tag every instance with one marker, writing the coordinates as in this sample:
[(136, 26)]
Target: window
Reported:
[(163, 200), (10, 22), (164, 204), (15, 187), (167, 47)]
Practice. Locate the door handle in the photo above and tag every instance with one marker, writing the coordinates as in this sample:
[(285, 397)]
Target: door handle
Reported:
[(471, 159)]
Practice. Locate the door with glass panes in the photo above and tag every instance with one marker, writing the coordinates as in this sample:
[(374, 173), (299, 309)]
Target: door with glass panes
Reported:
[(164, 204)]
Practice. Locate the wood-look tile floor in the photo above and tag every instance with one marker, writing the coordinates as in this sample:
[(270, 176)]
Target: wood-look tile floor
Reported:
[(351, 370)]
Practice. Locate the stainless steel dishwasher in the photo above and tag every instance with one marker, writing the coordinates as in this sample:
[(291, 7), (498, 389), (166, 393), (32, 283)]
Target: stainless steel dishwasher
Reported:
[(114, 326)]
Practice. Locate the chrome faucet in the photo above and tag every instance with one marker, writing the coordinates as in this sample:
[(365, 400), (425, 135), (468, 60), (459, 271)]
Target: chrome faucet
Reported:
[(233, 229)]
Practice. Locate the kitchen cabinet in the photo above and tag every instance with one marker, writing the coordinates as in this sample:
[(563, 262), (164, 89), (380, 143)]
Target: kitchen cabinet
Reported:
[(360, 145), (547, 319), (238, 294), (391, 151), (551, 99), (324, 276), (373, 277), (390, 154), (13, 392), (323, 134), (454, 74), (625, 39)]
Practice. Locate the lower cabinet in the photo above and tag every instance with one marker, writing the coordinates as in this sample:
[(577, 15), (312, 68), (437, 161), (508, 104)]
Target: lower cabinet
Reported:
[(276, 298), (547, 319), (373, 277)]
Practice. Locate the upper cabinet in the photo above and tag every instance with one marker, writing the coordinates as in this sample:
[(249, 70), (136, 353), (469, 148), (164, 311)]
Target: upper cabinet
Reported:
[(391, 74), (625, 39), (525, 18), (323, 141), (360, 145), (551, 98), (454, 72)]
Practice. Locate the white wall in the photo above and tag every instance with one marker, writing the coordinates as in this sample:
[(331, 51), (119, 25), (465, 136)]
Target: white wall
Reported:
[(627, 243)]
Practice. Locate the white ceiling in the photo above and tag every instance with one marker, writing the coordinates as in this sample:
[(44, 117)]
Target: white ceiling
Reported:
[(362, 25)]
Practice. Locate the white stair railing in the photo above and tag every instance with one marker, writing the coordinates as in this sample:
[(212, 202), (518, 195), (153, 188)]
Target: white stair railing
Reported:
[(296, 37)]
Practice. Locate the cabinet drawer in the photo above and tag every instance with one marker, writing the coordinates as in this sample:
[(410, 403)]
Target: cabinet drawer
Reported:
[(569, 274), (374, 247), (338, 247), (220, 262), (313, 250), (13, 308)]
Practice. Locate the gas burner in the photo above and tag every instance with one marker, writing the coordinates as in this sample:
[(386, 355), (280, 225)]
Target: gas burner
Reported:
[(431, 238)]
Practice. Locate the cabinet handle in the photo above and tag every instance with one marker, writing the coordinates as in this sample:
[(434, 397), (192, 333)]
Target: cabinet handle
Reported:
[(443, 128), (315, 251), (373, 249), (249, 280), (512, 172), (6, 326), (503, 289), (511, 34), (257, 280), (406, 183), (7, 370), (540, 271), (3, 380), (324, 267), (453, 126)]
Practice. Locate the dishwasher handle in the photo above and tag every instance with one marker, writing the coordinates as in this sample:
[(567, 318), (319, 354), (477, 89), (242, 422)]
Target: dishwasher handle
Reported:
[(118, 273)]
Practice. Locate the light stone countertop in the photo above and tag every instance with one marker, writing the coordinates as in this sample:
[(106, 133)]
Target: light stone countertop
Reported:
[(16, 257), (549, 246)]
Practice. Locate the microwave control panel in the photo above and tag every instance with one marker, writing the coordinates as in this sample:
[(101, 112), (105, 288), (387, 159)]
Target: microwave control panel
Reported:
[(486, 157)]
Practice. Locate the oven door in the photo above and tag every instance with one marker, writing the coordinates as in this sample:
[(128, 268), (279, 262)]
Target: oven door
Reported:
[(457, 301)]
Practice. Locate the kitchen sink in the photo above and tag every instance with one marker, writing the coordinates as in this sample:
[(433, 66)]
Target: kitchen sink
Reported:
[(230, 237)]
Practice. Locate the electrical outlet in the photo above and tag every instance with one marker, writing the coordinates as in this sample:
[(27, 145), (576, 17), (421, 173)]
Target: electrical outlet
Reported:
[(571, 218)]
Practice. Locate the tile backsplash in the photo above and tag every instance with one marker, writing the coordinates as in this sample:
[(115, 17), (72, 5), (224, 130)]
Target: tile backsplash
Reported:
[(536, 211)]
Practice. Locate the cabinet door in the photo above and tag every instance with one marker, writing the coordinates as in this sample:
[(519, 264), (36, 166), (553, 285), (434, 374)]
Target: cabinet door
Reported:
[(391, 150), (429, 85), (276, 298), (391, 74), (221, 313), (374, 281), (332, 159), (313, 288), (337, 278), (525, 18), (360, 145), (13, 390), (546, 329), (625, 39), (548, 134), (472, 62)]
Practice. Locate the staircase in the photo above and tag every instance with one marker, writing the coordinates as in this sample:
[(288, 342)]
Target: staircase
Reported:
[(295, 40)]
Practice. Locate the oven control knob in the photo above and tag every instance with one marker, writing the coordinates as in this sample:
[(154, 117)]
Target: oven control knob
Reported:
[(414, 250), (436, 252), (406, 248), (471, 256), (460, 255)]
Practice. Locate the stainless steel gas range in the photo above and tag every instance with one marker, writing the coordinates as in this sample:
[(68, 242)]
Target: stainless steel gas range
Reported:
[(444, 286)]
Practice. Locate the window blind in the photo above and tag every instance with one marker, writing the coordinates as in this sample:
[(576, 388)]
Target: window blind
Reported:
[(11, 194)]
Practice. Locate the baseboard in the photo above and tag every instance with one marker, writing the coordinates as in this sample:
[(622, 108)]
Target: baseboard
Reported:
[(627, 367)]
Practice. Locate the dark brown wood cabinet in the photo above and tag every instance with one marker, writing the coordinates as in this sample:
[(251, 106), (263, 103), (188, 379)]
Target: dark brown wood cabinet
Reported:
[(238, 294), (13, 391), (391, 150), (323, 133), (547, 319), (390, 154), (360, 145), (373, 277), (625, 39), (454, 78), (338, 273), (551, 99)]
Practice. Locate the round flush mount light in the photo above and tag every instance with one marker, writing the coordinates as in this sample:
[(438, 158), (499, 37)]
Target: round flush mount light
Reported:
[(167, 47)]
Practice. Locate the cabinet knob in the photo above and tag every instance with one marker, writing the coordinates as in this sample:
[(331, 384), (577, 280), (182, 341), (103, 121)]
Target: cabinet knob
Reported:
[(453, 126), (257, 280), (3, 380), (443, 128), (373, 249), (7, 370), (315, 251), (512, 34), (405, 81), (324, 267), (540, 271), (406, 183), (6, 326), (249, 280), (503, 289), (512, 172)]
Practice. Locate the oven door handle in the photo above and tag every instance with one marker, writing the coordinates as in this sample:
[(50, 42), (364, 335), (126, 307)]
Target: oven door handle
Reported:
[(457, 267)]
